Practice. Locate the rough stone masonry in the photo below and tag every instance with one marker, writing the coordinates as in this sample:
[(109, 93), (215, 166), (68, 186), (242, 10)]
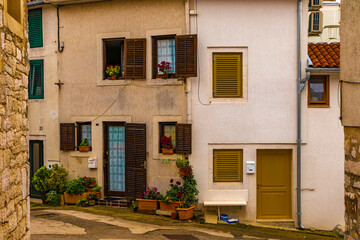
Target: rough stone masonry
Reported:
[(14, 167)]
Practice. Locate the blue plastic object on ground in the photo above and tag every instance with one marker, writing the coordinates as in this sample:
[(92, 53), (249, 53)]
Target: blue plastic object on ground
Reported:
[(233, 220), (223, 217)]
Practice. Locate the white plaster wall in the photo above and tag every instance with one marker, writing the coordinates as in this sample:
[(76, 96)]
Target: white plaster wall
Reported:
[(267, 118), (323, 164), (44, 112)]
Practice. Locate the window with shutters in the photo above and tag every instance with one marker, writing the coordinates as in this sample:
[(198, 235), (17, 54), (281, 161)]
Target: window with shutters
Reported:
[(84, 131), (315, 23), (113, 57), (168, 129), (227, 75), (163, 50), (228, 165), (35, 28), (36, 79), (318, 91)]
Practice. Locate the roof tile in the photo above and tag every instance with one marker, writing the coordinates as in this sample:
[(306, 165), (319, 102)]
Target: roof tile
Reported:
[(324, 55)]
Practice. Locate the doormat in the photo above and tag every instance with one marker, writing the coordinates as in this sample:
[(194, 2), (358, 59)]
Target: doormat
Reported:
[(180, 237)]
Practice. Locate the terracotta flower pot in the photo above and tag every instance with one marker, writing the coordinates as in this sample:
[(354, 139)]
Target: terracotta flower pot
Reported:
[(91, 202), (98, 195), (114, 77), (167, 151), (74, 198), (165, 76), (146, 204), (84, 148), (186, 213), (83, 204), (170, 206)]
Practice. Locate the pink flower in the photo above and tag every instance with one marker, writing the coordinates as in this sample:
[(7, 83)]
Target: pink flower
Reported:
[(172, 180)]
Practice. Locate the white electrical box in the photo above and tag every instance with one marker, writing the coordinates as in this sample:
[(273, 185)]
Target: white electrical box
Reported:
[(250, 167), (52, 163), (92, 162)]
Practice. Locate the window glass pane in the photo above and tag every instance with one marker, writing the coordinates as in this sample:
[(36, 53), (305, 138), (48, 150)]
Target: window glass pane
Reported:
[(114, 54), (170, 131), (166, 52), (86, 133), (117, 158), (316, 25), (317, 89)]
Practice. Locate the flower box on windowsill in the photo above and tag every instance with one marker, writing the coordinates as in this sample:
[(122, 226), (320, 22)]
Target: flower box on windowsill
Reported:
[(167, 151), (84, 148)]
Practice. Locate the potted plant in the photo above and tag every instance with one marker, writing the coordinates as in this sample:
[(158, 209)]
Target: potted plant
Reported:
[(97, 190), (112, 71), (75, 191), (53, 198), (84, 146), (164, 67), (166, 145), (91, 198), (190, 192), (89, 183), (135, 206), (171, 201), (148, 200), (82, 202)]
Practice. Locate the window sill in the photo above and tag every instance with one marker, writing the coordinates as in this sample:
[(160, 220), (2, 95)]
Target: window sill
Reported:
[(228, 100), (173, 157), (77, 154), (318, 106), (164, 82), (118, 82)]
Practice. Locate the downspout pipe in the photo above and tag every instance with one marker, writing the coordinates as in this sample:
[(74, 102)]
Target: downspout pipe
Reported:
[(300, 86)]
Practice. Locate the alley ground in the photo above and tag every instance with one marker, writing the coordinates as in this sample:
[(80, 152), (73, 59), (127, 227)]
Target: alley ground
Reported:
[(105, 223)]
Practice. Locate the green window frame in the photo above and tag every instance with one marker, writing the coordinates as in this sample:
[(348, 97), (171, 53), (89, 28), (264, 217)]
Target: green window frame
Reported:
[(227, 75), (35, 28), (36, 79), (228, 165)]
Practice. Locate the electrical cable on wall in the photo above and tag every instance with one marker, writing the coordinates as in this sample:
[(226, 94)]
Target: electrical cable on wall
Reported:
[(198, 58)]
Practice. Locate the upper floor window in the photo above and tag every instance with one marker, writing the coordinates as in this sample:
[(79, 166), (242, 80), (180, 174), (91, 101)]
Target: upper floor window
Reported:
[(315, 23), (318, 91), (35, 28), (113, 58), (163, 51), (14, 9), (227, 75), (36, 79)]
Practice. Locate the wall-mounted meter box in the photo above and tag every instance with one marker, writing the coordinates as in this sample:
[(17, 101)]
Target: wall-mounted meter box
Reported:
[(92, 162), (250, 167)]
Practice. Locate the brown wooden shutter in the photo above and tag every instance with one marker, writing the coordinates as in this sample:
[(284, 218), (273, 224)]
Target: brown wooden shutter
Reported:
[(135, 155), (135, 58), (67, 136), (186, 56), (183, 138)]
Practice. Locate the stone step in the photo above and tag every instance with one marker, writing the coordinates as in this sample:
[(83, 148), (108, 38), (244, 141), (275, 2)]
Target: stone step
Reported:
[(113, 202)]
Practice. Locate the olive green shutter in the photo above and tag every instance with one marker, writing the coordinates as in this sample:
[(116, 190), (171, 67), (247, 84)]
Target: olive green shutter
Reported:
[(36, 79), (186, 55), (35, 28), (227, 75), (135, 58), (228, 165), (67, 136)]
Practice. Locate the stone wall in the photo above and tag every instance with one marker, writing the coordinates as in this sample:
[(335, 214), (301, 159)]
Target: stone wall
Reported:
[(14, 168), (352, 182)]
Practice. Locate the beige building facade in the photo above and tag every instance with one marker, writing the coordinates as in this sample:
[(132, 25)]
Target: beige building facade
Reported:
[(14, 168)]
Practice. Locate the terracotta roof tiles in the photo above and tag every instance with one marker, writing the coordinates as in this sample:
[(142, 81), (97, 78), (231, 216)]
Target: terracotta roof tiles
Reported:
[(324, 55)]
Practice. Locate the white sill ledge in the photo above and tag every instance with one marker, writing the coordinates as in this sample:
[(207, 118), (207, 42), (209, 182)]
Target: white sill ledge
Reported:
[(77, 154), (149, 82)]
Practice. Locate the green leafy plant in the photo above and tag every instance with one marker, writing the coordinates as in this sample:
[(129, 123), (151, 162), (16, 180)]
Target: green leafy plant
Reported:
[(84, 143), (91, 196), (75, 186), (135, 205), (58, 179), (53, 198), (112, 70), (41, 183), (190, 191), (96, 189), (88, 181), (83, 200), (175, 193)]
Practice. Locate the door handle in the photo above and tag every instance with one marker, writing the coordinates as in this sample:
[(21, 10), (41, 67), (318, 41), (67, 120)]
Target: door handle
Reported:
[(145, 165)]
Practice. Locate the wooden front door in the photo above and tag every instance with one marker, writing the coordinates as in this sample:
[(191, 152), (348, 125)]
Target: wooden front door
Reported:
[(124, 159), (36, 159), (274, 184)]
